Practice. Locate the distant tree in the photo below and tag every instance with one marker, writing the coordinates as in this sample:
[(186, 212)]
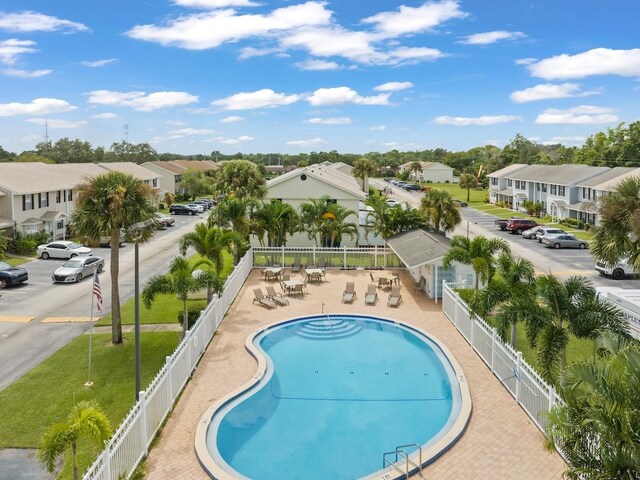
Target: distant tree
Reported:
[(132, 152), (364, 168), (302, 164), (31, 157), (468, 181), (233, 212), (520, 150), (440, 209), (66, 150), (240, 178), (169, 199), (5, 155), (276, 220), (194, 183)]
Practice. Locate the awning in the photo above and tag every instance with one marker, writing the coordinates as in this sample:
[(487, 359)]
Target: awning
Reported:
[(507, 192), (52, 215), (558, 203), (6, 222), (32, 221), (417, 247), (522, 195), (586, 207)]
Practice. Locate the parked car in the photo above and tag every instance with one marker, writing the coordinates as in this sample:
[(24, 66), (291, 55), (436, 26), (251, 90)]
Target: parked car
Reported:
[(163, 220), (10, 276), (563, 240), (105, 240), (501, 223), (199, 208), (519, 225), (412, 187), (392, 202), (617, 271), (77, 268), (205, 205), (461, 203), (62, 249), (208, 201), (532, 232), (178, 209), (548, 231)]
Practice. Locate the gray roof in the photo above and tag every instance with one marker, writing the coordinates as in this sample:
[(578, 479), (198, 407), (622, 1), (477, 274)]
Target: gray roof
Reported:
[(52, 215), (136, 171), (586, 206), (507, 192), (568, 174), (36, 177), (605, 177), (610, 185), (504, 172), (418, 247)]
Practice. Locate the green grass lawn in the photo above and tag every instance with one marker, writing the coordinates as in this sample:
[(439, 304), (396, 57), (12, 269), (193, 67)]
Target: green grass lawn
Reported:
[(15, 261), (476, 195), (46, 394)]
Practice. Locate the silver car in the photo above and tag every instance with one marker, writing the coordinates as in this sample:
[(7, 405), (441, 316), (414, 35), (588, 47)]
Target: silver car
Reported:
[(548, 231), (62, 249), (563, 240), (77, 268), (531, 234)]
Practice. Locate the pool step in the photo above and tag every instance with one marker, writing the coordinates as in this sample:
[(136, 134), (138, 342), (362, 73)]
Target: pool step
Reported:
[(328, 329)]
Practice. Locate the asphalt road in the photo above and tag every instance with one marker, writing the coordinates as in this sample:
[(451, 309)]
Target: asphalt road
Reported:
[(24, 345), (562, 263)]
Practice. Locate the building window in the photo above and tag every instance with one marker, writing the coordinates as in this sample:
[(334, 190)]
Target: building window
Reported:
[(517, 184), (554, 189), (584, 192), (509, 183), (58, 196), (538, 187), (43, 200), (561, 191), (59, 224), (331, 201), (27, 202), (544, 187), (155, 182), (523, 184), (494, 181), (70, 195)]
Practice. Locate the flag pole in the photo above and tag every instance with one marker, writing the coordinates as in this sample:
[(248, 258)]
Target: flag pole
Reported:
[(89, 383)]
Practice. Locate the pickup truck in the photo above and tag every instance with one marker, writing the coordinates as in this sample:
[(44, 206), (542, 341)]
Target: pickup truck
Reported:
[(501, 223)]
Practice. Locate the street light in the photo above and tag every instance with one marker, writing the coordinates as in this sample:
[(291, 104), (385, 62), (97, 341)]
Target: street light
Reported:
[(135, 232)]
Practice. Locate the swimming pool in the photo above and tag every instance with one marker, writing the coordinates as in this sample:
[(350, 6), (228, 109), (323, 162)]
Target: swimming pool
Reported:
[(331, 395)]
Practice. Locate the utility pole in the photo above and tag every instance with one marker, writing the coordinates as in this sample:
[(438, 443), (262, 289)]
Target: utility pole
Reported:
[(126, 132), (46, 131)]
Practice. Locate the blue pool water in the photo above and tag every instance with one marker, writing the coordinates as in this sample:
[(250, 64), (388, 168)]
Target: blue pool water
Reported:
[(337, 394)]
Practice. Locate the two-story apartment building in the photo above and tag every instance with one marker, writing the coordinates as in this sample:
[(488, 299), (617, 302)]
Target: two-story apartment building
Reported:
[(170, 172), (501, 184), (435, 172)]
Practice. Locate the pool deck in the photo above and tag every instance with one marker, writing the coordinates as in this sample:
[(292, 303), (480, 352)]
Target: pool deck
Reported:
[(500, 442)]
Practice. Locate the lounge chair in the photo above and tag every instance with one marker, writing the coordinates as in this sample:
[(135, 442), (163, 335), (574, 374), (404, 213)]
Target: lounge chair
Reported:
[(349, 294), (372, 295), (373, 280), (261, 299), (394, 297), (279, 299), (297, 264)]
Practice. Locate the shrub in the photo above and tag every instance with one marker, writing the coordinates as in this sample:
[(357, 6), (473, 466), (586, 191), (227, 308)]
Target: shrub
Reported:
[(446, 181), (587, 226), (194, 310), (486, 199)]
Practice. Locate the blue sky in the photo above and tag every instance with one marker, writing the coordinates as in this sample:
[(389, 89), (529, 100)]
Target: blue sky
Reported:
[(289, 76)]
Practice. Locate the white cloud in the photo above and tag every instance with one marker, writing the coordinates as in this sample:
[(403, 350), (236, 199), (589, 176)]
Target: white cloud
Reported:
[(491, 37), (104, 116), (564, 140), (234, 141), (484, 120), (545, 91), (259, 99), (526, 61), (174, 123), (378, 128), (330, 121), (37, 22), (140, 100), (393, 86), (391, 144), (415, 19), (340, 95), (250, 52), (582, 115), (211, 29), (39, 106), (232, 119), (312, 142), (214, 3), (599, 61), (13, 48), (98, 63), (183, 132), (317, 65), (56, 123), (11, 72)]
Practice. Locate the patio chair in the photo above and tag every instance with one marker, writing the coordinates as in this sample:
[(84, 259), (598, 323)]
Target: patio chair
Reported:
[(303, 272), (383, 283), (284, 288), (261, 299), (298, 289), (394, 297), (396, 277), (419, 286), (304, 284), (279, 299), (297, 264), (372, 295), (322, 263), (269, 275), (349, 294), (286, 277), (315, 277)]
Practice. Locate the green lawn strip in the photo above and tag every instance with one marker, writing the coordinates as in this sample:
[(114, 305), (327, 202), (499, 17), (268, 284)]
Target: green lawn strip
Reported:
[(475, 195), (46, 394), (15, 261)]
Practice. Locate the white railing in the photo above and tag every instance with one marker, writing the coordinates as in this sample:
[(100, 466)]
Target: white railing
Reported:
[(531, 392), (341, 257), (130, 443)]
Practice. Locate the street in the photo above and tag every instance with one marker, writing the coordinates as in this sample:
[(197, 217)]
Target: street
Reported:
[(24, 343)]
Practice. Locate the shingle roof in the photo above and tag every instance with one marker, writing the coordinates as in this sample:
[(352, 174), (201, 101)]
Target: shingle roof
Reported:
[(610, 185), (557, 174), (137, 171), (331, 176), (35, 177), (167, 166), (417, 247), (605, 176), (504, 172), (202, 165)]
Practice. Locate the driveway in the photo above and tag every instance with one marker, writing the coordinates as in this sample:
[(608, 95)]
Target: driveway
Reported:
[(40, 317)]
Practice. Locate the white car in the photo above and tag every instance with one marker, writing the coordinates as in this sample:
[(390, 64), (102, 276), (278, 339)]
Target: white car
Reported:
[(617, 271), (62, 249), (392, 202), (198, 207)]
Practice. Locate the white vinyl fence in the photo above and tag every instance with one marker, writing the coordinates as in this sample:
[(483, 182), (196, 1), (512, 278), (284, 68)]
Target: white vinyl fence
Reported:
[(130, 443), (339, 257), (533, 394)]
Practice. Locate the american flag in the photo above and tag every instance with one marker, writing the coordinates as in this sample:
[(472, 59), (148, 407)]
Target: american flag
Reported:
[(97, 291)]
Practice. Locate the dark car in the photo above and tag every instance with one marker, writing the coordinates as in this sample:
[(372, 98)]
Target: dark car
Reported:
[(412, 187), (461, 203), (10, 276), (501, 223), (204, 203), (182, 210), (209, 201), (519, 225)]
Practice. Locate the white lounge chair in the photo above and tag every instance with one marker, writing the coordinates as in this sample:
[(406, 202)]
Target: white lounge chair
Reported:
[(394, 297), (261, 299), (271, 294), (372, 295), (349, 294)]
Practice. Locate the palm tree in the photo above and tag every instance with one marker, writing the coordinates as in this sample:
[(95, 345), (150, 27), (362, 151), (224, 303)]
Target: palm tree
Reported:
[(596, 429), (233, 212), (511, 289), (440, 209), (388, 221), (415, 168), (479, 252), (109, 203), (311, 213), (335, 225), (240, 178), (618, 235), (181, 281), (210, 243), (564, 308), (468, 181), (364, 168), (277, 220), (86, 419)]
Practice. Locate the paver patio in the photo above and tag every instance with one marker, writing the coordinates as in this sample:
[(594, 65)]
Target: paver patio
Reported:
[(500, 442)]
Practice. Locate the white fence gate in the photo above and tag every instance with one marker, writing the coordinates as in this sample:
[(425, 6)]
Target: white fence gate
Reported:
[(533, 394), (130, 443)]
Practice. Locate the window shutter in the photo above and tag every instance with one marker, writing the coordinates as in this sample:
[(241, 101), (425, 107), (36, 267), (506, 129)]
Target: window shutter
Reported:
[(24, 202)]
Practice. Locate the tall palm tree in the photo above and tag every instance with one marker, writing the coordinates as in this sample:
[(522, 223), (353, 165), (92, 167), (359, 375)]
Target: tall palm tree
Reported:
[(440, 209), (468, 181), (564, 308), (311, 213), (210, 243), (86, 420), (335, 225), (233, 212), (181, 281), (479, 252), (241, 178), (597, 427), (416, 168), (364, 168), (618, 235), (277, 220), (106, 204), (511, 289)]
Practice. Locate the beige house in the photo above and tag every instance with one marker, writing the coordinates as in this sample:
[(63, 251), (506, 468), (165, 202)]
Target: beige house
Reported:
[(170, 172), (434, 172)]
